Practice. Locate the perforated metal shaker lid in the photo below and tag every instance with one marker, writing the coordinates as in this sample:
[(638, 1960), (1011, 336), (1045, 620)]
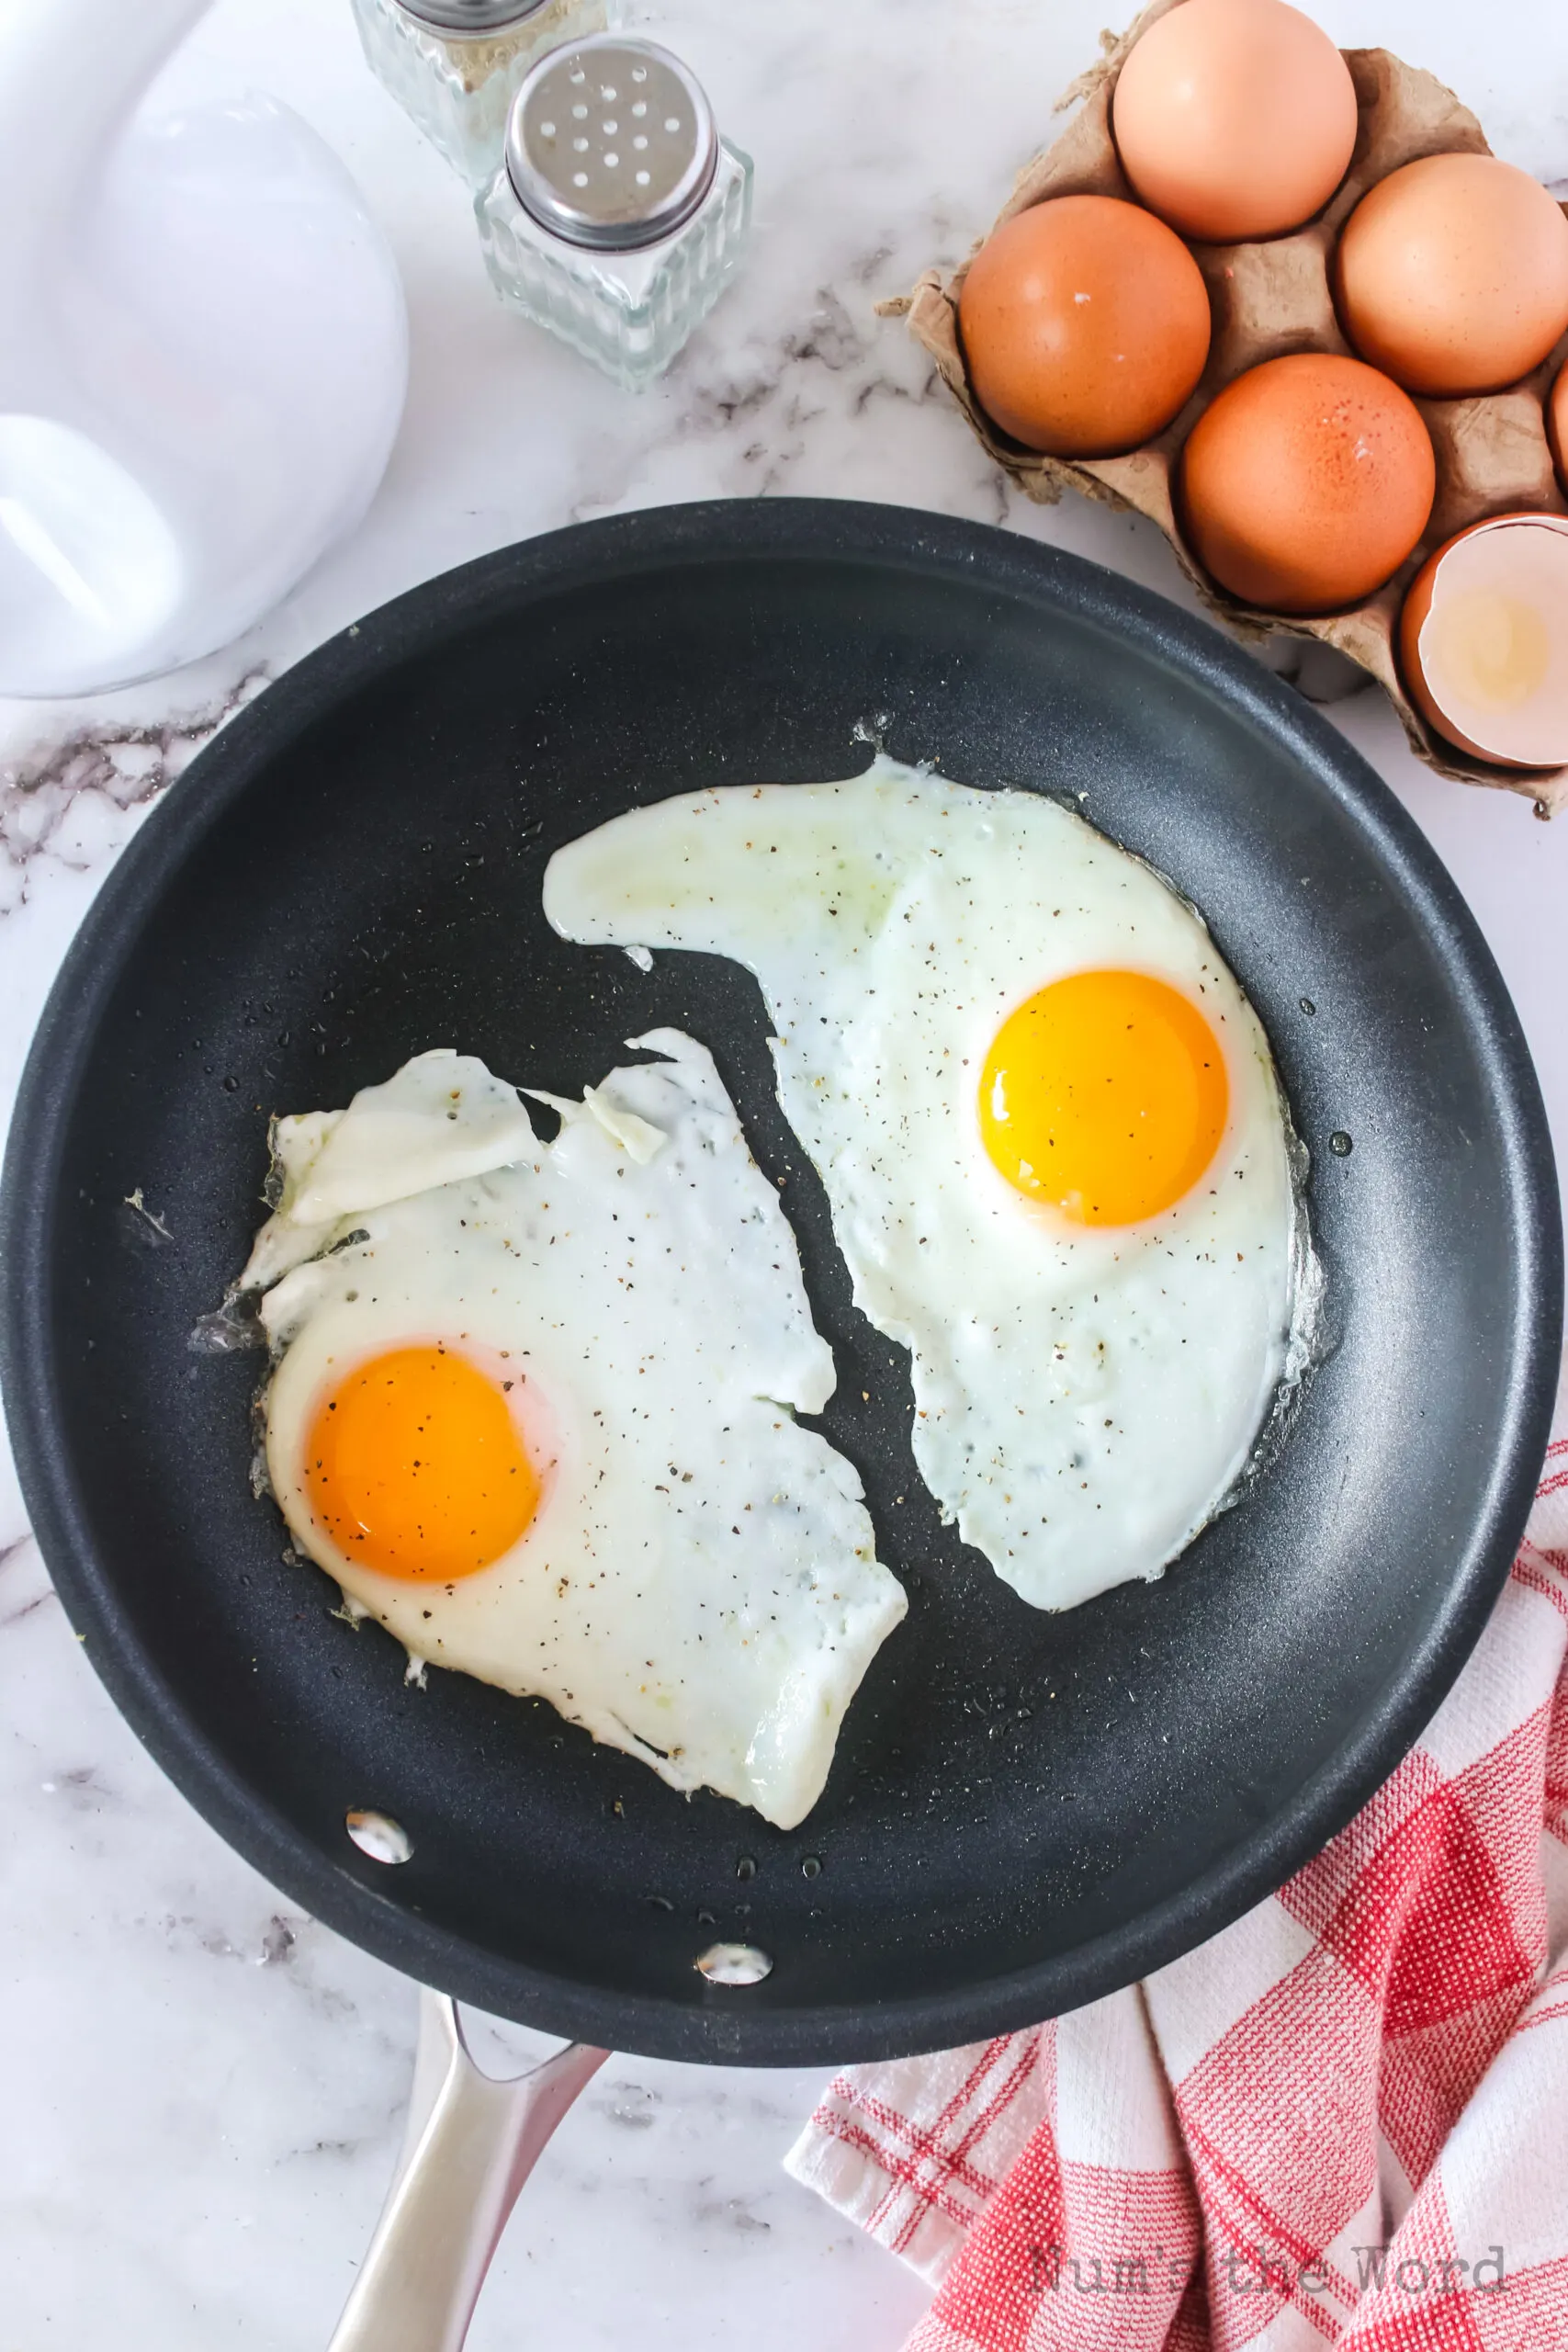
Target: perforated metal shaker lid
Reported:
[(611, 143), (476, 16)]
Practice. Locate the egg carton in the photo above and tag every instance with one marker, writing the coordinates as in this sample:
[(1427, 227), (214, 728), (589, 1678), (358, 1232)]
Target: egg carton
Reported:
[(1269, 298)]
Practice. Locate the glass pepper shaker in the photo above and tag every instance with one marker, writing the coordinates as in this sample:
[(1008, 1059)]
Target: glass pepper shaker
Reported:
[(618, 215), (453, 66)]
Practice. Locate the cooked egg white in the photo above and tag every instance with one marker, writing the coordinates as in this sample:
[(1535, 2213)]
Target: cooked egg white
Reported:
[(1048, 1121), (533, 1407)]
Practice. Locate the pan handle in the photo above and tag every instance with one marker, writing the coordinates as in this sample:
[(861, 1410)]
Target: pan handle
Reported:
[(470, 2145)]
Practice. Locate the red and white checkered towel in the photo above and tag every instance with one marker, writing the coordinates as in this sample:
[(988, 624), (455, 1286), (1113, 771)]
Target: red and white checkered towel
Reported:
[(1344, 2121)]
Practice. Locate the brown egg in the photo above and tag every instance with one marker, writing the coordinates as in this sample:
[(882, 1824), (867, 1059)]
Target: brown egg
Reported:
[(1085, 324), (1306, 483), (1452, 275), (1235, 118), (1483, 640), (1557, 426)]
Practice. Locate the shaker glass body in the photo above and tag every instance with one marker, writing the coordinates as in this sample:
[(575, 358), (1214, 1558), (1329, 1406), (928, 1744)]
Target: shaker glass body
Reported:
[(629, 312), (458, 86)]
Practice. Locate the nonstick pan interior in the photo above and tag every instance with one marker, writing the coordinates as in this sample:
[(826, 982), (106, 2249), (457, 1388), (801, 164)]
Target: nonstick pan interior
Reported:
[(1026, 1810)]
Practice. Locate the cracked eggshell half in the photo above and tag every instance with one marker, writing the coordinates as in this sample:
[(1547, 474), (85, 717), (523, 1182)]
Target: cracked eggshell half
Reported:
[(1483, 640)]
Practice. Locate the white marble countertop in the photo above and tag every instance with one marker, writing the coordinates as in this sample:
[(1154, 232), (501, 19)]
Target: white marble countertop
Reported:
[(202, 2090)]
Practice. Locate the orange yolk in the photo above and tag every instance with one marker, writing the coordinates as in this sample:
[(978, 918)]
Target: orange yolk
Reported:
[(414, 1466), (1105, 1095)]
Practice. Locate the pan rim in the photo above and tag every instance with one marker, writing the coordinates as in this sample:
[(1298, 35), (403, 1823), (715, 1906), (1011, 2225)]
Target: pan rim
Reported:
[(771, 531)]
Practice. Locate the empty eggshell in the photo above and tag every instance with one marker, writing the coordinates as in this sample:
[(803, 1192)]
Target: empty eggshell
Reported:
[(1086, 325), (1483, 640), (1557, 426), (1307, 483), (1235, 118), (1452, 275)]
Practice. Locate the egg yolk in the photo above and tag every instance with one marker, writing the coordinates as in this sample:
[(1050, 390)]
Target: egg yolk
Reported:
[(414, 1466), (1105, 1095)]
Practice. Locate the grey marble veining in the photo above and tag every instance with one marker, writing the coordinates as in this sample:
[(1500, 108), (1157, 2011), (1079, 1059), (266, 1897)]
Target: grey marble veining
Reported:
[(203, 2089)]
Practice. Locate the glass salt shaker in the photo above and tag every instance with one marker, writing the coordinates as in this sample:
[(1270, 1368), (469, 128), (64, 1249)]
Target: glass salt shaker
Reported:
[(453, 66), (618, 215)]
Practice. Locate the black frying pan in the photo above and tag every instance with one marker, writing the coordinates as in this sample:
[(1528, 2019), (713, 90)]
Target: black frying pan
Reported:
[(1026, 1810)]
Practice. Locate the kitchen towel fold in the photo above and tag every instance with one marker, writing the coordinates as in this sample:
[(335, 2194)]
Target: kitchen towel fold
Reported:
[(1343, 2120)]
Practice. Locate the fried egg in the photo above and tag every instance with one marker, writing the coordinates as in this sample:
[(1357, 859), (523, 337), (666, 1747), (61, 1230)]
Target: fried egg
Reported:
[(533, 1405), (1054, 1145)]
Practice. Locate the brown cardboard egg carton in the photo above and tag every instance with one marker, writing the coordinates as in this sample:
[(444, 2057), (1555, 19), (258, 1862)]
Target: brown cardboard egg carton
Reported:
[(1269, 298)]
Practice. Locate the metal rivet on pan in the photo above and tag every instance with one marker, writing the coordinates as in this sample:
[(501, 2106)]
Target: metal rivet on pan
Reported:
[(811, 1867), (745, 1867), (378, 1835), (734, 1964), (1307, 1005), (1339, 1143)]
